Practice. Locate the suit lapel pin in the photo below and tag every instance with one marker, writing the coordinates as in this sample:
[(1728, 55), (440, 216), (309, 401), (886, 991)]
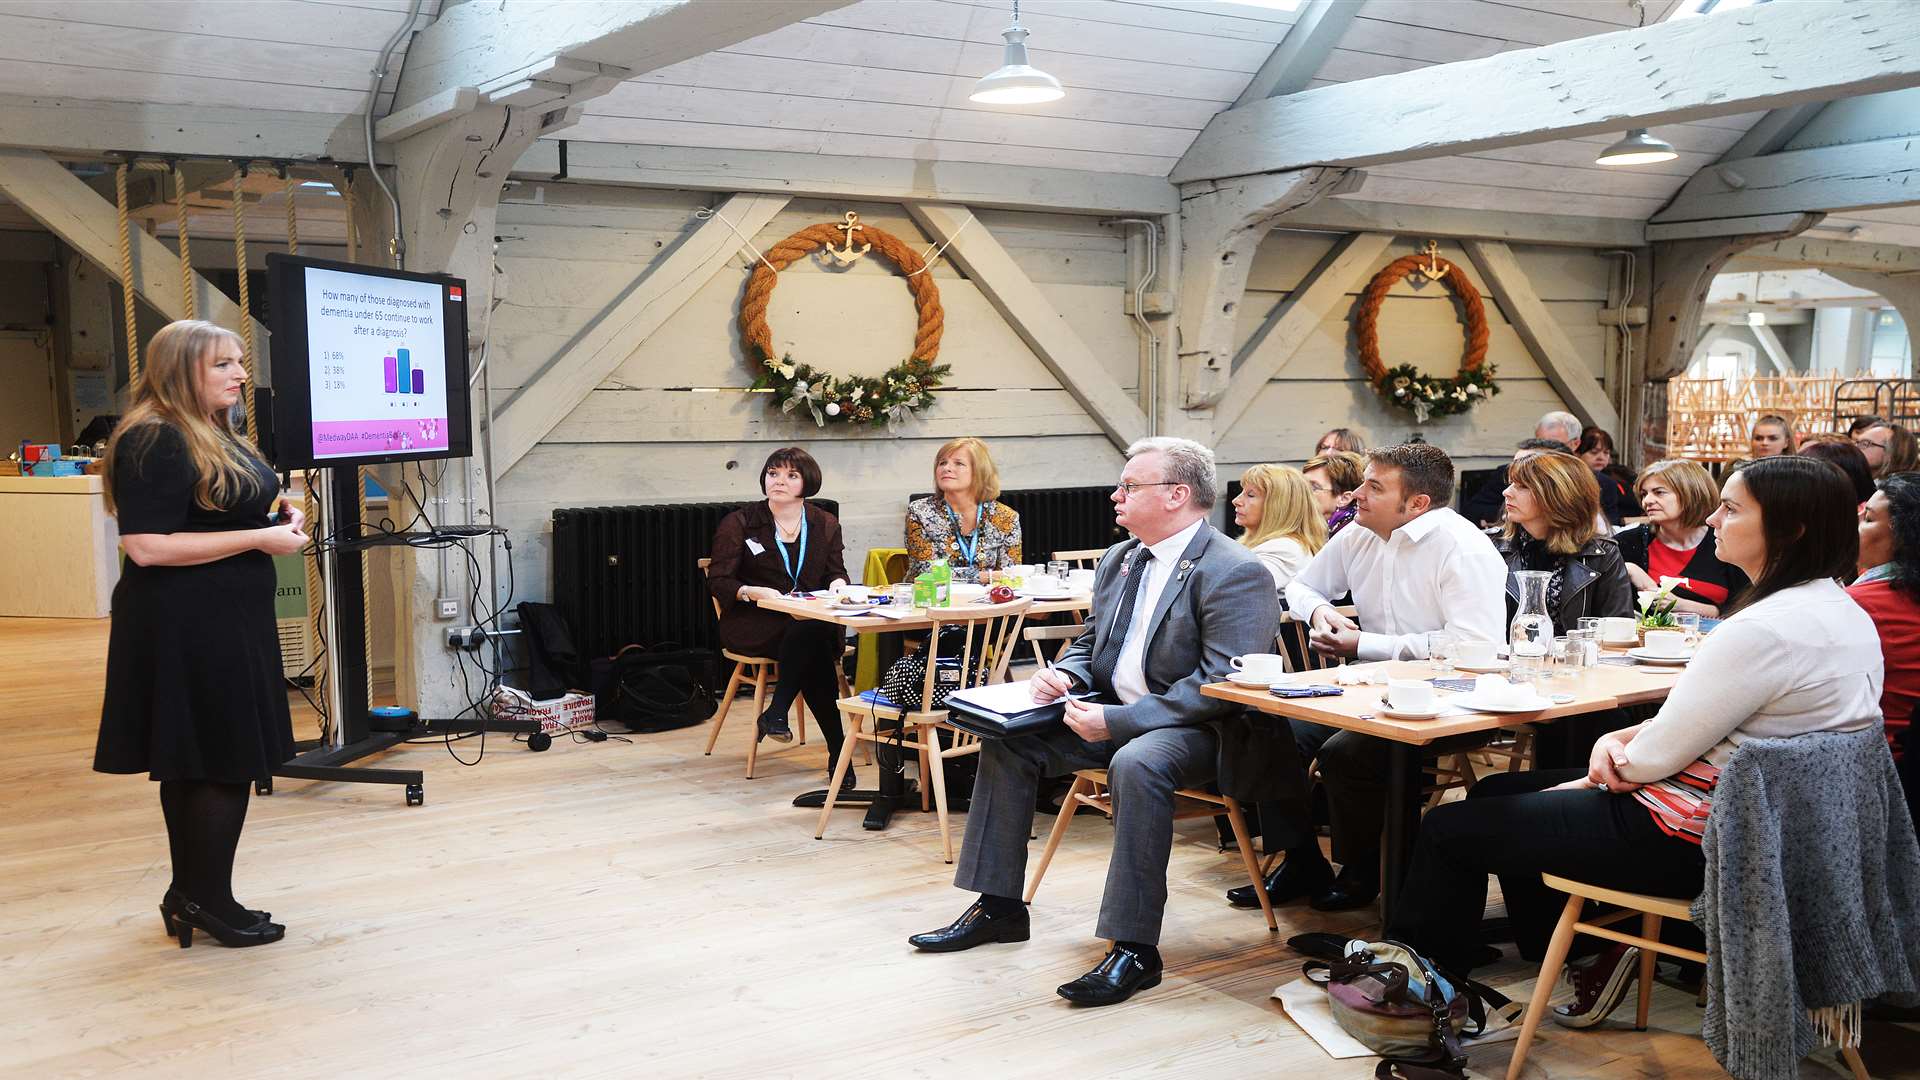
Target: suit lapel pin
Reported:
[(1186, 567)]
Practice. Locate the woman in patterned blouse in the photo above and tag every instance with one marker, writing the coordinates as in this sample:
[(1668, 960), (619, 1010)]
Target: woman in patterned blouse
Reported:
[(962, 520)]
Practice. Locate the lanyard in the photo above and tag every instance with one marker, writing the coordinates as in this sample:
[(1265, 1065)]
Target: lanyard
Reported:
[(795, 566), (967, 544)]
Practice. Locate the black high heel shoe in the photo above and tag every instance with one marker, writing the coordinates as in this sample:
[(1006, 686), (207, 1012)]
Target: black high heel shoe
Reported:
[(173, 899), (182, 920)]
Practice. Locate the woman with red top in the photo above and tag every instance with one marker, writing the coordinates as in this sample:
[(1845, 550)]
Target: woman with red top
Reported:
[(1796, 657), (1678, 496), (1888, 588)]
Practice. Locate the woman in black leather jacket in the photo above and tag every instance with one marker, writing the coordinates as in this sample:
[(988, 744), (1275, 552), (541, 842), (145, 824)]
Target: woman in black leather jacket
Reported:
[(1553, 524)]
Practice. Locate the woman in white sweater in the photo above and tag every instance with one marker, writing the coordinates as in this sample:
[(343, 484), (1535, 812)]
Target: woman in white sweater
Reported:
[(1275, 508), (1798, 656)]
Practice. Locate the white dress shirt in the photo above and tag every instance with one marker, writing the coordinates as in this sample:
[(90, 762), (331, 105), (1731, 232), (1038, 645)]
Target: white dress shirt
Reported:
[(1129, 676), (1284, 557), (1436, 572)]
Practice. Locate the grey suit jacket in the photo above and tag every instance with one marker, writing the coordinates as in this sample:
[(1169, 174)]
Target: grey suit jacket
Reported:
[(1218, 604)]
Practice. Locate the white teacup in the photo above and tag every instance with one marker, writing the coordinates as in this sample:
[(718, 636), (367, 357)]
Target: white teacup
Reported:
[(1497, 690), (1412, 695), (1260, 665), (1080, 580), (1475, 653), (1043, 584), (859, 594), (1617, 631), (1667, 643)]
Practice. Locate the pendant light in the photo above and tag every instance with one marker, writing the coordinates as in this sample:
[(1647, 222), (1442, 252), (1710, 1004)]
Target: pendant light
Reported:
[(1015, 82), (1638, 148)]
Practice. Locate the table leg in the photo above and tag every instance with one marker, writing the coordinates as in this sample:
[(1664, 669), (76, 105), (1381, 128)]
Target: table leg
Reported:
[(1402, 760), (892, 793)]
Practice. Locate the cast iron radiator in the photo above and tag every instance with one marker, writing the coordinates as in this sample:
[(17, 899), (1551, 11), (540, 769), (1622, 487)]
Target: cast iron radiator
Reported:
[(1063, 519), (630, 575)]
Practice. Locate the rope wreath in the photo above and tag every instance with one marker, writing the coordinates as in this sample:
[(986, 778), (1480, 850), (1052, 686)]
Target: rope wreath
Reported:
[(1404, 385), (890, 399)]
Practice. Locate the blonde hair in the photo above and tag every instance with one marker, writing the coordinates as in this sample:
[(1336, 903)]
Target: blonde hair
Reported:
[(168, 393), (986, 478), (1699, 495), (1568, 494), (1286, 508)]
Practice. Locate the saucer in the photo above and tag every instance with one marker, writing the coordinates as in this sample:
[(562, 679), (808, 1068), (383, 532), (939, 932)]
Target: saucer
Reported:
[(1392, 713), (1468, 701), (1484, 669), (1645, 657), (1243, 679), (1045, 596), (1617, 643)]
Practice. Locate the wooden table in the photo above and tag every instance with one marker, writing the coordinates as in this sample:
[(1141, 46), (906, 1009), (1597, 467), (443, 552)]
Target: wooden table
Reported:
[(1594, 689)]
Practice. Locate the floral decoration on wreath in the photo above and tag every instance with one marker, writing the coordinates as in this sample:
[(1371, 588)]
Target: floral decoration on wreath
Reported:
[(1404, 385), (890, 398)]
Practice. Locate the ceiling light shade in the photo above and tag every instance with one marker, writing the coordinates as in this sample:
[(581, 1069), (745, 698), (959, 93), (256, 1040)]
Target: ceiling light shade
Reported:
[(1638, 148), (1015, 82)]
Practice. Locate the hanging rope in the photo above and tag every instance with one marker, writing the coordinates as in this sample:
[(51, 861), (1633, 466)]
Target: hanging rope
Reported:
[(126, 276), (293, 231), (246, 307), (353, 212), (186, 250)]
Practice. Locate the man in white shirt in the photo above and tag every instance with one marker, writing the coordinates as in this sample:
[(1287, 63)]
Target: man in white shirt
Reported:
[(1413, 566), (1171, 607)]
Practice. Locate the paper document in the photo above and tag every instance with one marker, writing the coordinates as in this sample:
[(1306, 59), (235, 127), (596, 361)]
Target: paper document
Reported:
[(1007, 699)]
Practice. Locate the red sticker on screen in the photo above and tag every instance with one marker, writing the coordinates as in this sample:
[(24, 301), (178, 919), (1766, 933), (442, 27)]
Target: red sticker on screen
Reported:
[(453, 293)]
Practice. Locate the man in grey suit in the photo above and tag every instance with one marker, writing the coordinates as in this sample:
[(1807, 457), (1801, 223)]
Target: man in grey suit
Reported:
[(1170, 608)]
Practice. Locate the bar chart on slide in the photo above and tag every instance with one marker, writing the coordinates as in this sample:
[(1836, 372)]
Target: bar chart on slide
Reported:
[(402, 376), (379, 365)]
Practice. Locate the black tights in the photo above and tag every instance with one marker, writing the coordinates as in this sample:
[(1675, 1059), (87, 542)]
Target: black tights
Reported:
[(809, 655), (204, 818)]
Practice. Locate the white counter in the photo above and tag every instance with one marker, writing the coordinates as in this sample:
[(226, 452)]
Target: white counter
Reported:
[(59, 548)]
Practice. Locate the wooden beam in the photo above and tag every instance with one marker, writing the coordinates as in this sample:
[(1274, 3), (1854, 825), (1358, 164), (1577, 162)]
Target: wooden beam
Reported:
[(1586, 86), (1773, 350), (1543, 337), (1027, 311), (1854, 176), (1828, 255), (1902, 290), (669, 281), (74, 212), (829, 176), (499, 45), (1682, 273), (1294, 320), (1694, 230), (1298, 58), (1346, 214), (1774, 131), (74, 126), (1221, 226)]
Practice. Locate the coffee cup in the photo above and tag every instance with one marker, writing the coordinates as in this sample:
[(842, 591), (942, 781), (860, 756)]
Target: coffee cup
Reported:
[(1475, 653), (1080, 580), (1043, 584), (1411, 695), (1260, 665), (1615, 630), (1667, 642), (859, 594)]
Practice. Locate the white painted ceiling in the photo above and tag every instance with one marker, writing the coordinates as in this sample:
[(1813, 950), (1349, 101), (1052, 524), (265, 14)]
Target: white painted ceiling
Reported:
[(889, 78)]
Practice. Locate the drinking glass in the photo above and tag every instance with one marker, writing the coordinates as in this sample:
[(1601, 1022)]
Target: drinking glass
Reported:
[(1560, 653), (1057, 568), (1688, 622), (1440, 650)]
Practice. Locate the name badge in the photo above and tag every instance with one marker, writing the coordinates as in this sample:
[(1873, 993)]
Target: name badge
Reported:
[(755, 547)]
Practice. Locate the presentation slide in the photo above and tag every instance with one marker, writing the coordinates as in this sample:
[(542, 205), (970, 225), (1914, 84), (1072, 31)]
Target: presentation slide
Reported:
[(377, 365)]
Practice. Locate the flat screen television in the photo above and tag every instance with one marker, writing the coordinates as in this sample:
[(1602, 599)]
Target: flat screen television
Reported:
[(369, 364)]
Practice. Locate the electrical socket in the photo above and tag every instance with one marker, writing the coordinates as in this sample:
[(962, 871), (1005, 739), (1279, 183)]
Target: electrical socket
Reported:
[(469, 638), (446, 608)]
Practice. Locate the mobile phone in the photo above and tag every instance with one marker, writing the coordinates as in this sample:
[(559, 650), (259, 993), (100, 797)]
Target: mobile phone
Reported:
[(1305, 691)]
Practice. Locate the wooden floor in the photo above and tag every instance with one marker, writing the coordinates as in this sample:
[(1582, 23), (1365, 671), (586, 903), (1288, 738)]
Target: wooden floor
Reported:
[(619, 910)]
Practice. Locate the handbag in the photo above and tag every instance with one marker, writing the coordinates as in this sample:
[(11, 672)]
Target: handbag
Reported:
[(1393, 1001), (653, 689)]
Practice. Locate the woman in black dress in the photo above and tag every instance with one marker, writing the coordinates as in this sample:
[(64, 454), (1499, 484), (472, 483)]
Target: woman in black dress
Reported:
[(770, 548), (195, 696)]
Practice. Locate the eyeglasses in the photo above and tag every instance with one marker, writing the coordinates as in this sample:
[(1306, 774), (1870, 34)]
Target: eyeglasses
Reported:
[(1127, 487), (1866, 443)]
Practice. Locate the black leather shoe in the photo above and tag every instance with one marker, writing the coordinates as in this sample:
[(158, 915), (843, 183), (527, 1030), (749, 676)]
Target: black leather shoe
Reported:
[(174, 900), (1347, 892), (847, 783), (1123, 973), (1287, 883), (181, 922), (975, 927), (774, 726)]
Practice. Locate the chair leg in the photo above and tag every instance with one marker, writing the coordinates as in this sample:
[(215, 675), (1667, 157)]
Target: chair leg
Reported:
[(759, 704), (1550, 966), (1067, 809), (1851, 1056), (726, 702), (800, 721), (1239, 822), (930, 738), (1649, 929), (839, 774), (926, 770)]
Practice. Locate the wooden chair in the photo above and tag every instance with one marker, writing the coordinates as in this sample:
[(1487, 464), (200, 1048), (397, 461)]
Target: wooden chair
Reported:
[(1082, 559), (1090, 789), (757, 671), (1065, 634), (992, 634), (1652, 911)]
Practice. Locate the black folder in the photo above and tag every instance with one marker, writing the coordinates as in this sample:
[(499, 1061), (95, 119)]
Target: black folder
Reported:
[(993, 725)]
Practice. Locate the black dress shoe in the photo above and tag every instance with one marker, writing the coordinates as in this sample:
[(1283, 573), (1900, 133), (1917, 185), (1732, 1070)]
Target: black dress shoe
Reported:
[(1346, 893), (1290, 881), (975, 927), (774, 726), (183, 920), (174, 899), (1120, 975)]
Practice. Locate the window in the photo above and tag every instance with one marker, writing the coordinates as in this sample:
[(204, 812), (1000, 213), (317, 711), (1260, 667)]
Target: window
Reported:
[(1890, 353)]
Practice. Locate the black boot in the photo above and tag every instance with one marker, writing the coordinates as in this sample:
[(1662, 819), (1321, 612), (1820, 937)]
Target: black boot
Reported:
[(1295, 877)]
